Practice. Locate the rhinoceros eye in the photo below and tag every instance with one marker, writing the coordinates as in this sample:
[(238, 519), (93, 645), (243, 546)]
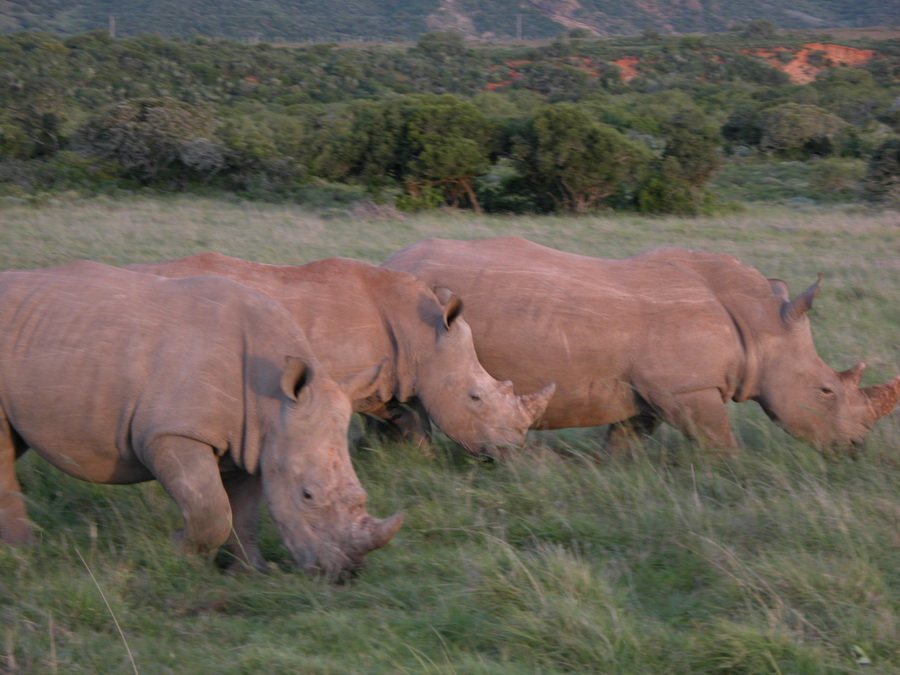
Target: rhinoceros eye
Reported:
[(826, 391), (307, 495), (475, 397)]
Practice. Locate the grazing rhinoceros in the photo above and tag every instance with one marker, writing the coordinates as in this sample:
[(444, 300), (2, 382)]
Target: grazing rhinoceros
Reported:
[(356, 314), (670, 335), (202, 384)]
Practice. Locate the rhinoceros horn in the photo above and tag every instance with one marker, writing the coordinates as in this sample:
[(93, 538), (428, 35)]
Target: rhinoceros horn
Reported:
[(883, 397), (377, 533), (535, 404), (853, 377)]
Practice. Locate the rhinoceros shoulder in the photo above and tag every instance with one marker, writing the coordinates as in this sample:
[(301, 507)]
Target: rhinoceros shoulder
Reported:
[(722, 273), (370, 280)]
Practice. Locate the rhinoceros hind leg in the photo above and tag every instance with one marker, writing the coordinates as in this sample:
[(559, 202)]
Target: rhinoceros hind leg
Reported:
[(189, 473), (15, 527), (244, 493), (701, 416), (624, 437)]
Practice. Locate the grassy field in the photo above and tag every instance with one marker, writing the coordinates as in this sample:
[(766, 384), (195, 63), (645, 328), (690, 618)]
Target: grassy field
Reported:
[(670, 561)]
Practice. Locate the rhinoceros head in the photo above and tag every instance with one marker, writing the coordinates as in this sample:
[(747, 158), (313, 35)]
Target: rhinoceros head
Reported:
[(825, 408), (313, 493), (480, 413)]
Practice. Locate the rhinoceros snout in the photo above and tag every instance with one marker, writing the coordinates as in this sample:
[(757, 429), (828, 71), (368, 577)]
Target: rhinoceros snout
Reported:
[(340, 573), (490, 452)]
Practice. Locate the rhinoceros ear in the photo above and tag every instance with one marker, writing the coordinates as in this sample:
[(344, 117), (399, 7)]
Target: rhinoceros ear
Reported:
[(799, 306), (296, 375), (780, 289), (451, 304)]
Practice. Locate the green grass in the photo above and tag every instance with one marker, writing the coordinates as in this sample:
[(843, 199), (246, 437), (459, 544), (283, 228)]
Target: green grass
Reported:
[(799, 184), (669, 561)]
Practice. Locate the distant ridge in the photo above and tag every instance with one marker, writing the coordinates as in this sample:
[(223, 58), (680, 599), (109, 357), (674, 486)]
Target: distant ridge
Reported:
[(392, 20)]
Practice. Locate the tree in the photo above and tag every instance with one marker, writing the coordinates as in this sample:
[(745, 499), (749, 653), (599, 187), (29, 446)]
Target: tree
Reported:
[(155, 138), (368, 143), (852, 94), (666, 191), (559, 81), (694, 142), (677, 180), (799, 130), (428, 145), (450, 142), (14, 141), (884, 171), (441, 45), (575, 161), (760, 29)]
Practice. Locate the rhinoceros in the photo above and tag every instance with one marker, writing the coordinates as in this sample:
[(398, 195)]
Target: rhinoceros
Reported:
[(356, 314), (202, 384), (669, 335)]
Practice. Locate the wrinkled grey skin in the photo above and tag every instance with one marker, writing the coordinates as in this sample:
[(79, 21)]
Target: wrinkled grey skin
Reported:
[(202, 384), (356, 315), (669, 335)]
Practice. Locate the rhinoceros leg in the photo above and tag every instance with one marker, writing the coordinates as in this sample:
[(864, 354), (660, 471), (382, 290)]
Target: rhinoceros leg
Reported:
[(244, 493), (699, 415), (14, 525), (188, 470), (623, 437), (400, 422)]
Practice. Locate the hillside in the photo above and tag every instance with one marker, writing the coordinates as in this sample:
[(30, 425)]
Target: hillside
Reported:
[(294, 20)]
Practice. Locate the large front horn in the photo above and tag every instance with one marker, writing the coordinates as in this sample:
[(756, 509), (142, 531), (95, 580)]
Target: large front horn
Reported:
[(535, 404), (883, 397), (377, 533)]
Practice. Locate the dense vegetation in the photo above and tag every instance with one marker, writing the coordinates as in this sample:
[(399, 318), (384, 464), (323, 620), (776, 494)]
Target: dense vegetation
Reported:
[(298, 20), (500, 128), (558, 561)]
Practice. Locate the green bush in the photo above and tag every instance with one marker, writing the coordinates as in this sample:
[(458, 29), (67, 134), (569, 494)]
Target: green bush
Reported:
[(883, 175), (838, 177), (424, 198), (794, 130), (156, 139), (575, 162), (667, 191)]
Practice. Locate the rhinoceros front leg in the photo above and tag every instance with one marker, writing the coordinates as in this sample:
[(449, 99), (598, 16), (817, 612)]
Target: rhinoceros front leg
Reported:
[(188, 470), (14, 525), (700, 415), (628, 435), (245, 494), (400, 422)]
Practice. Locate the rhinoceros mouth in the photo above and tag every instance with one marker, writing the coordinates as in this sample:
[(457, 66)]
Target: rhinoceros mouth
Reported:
[(490, 452), (338, 572)]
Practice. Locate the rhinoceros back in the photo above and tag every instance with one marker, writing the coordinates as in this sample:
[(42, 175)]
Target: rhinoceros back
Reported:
[(599, 328), (94, 361)]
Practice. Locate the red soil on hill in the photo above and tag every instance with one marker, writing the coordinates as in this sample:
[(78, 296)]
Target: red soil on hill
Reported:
[(801, 71), (627, 68), (802, 67)]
